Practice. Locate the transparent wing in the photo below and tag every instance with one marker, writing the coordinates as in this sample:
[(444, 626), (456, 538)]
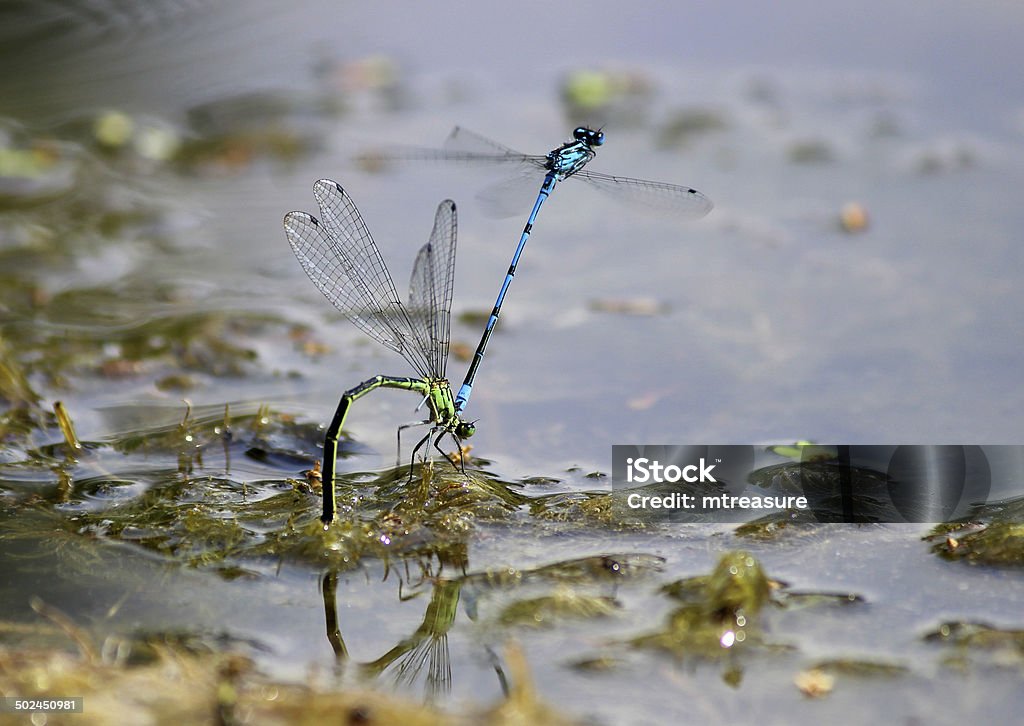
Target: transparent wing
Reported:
[(657, 195), (513, 195), (431, 288), (462, 146), (471, 146), (341, 259)]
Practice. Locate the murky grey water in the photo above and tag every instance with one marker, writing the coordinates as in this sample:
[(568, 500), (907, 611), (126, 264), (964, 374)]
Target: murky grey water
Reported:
[(770, 323)]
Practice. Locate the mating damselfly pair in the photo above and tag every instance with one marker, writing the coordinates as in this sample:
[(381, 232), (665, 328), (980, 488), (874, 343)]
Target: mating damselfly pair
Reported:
[(342, 260)]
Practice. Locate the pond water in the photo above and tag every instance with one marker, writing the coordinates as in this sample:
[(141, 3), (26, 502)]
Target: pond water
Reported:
[(855, 283)]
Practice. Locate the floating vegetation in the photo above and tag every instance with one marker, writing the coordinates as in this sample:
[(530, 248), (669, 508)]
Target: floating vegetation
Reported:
[(736, 585), (223, 136), (377, 81), (992, 534), (686, 125), (211, 520), (235, 152), (163, 678), (607, 96), (21, 412), (811, 151), (34, 169), (979, 644), (586, 508), (718, 612), (998, 543), (946, 156), (564, 603), (720, 617), (639, 306), (856, 668), (775, 526), (820, 480), (794, 599), (598, 568)]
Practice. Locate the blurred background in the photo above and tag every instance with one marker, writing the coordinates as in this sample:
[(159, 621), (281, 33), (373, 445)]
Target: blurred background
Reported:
[(856, 281)]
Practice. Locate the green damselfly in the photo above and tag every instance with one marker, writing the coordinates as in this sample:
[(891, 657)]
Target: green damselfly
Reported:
[(342, 260)]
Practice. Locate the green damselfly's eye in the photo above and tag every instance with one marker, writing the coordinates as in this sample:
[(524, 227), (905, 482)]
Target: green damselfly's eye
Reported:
[(465, 429)]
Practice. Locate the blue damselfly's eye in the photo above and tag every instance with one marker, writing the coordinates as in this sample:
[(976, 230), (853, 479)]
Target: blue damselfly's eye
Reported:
[(596, 138), (580, 133)]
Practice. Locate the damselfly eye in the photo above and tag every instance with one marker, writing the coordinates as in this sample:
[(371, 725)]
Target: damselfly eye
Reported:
[(465, 429), (596, 138), (580, 133)]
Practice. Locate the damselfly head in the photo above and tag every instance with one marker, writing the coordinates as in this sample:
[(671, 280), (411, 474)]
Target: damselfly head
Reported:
[(465, 429), (588, 136)]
